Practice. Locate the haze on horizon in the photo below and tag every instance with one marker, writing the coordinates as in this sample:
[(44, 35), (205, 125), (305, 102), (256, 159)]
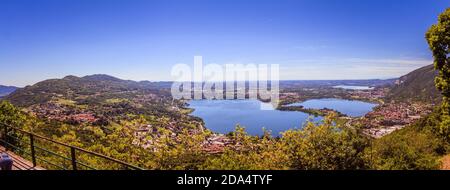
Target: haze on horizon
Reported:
[(142, 40)]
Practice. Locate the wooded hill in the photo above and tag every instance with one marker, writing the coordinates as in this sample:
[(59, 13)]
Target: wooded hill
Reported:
[(417, 85)]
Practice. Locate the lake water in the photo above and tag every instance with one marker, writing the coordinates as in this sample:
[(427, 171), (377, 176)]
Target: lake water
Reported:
[(222, 116), (354, 87), (351, 108)]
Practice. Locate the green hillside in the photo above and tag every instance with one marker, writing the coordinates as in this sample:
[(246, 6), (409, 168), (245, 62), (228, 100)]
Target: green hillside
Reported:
[(417, 85), (84, 90)]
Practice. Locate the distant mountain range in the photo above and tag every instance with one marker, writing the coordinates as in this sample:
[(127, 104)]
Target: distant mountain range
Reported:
[(331, 83), (417, 85), (6, 90)]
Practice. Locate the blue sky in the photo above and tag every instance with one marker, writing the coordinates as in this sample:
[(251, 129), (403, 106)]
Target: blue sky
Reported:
[(142, 40)]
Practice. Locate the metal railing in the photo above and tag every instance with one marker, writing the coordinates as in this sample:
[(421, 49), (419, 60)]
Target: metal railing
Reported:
[(13, 143)]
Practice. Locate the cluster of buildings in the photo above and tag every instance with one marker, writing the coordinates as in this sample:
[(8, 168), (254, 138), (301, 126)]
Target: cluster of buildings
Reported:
[(147, 135), (53, 111), (375, 94), (213, 144), (141, 134), (216, 143), (392, 116)]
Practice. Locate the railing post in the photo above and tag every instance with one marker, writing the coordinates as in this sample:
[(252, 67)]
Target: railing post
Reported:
[(5, 137), (33, 153), (74, 159)]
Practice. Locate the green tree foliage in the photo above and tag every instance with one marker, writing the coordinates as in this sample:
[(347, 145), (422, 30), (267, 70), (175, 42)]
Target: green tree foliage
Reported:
[(250, 153), (405, 150), (321, 146), (438, 37), (10, 115), (325, 146), (417, 146)]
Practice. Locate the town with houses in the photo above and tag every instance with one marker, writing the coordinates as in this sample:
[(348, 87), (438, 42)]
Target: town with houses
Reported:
[(384, 119)]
